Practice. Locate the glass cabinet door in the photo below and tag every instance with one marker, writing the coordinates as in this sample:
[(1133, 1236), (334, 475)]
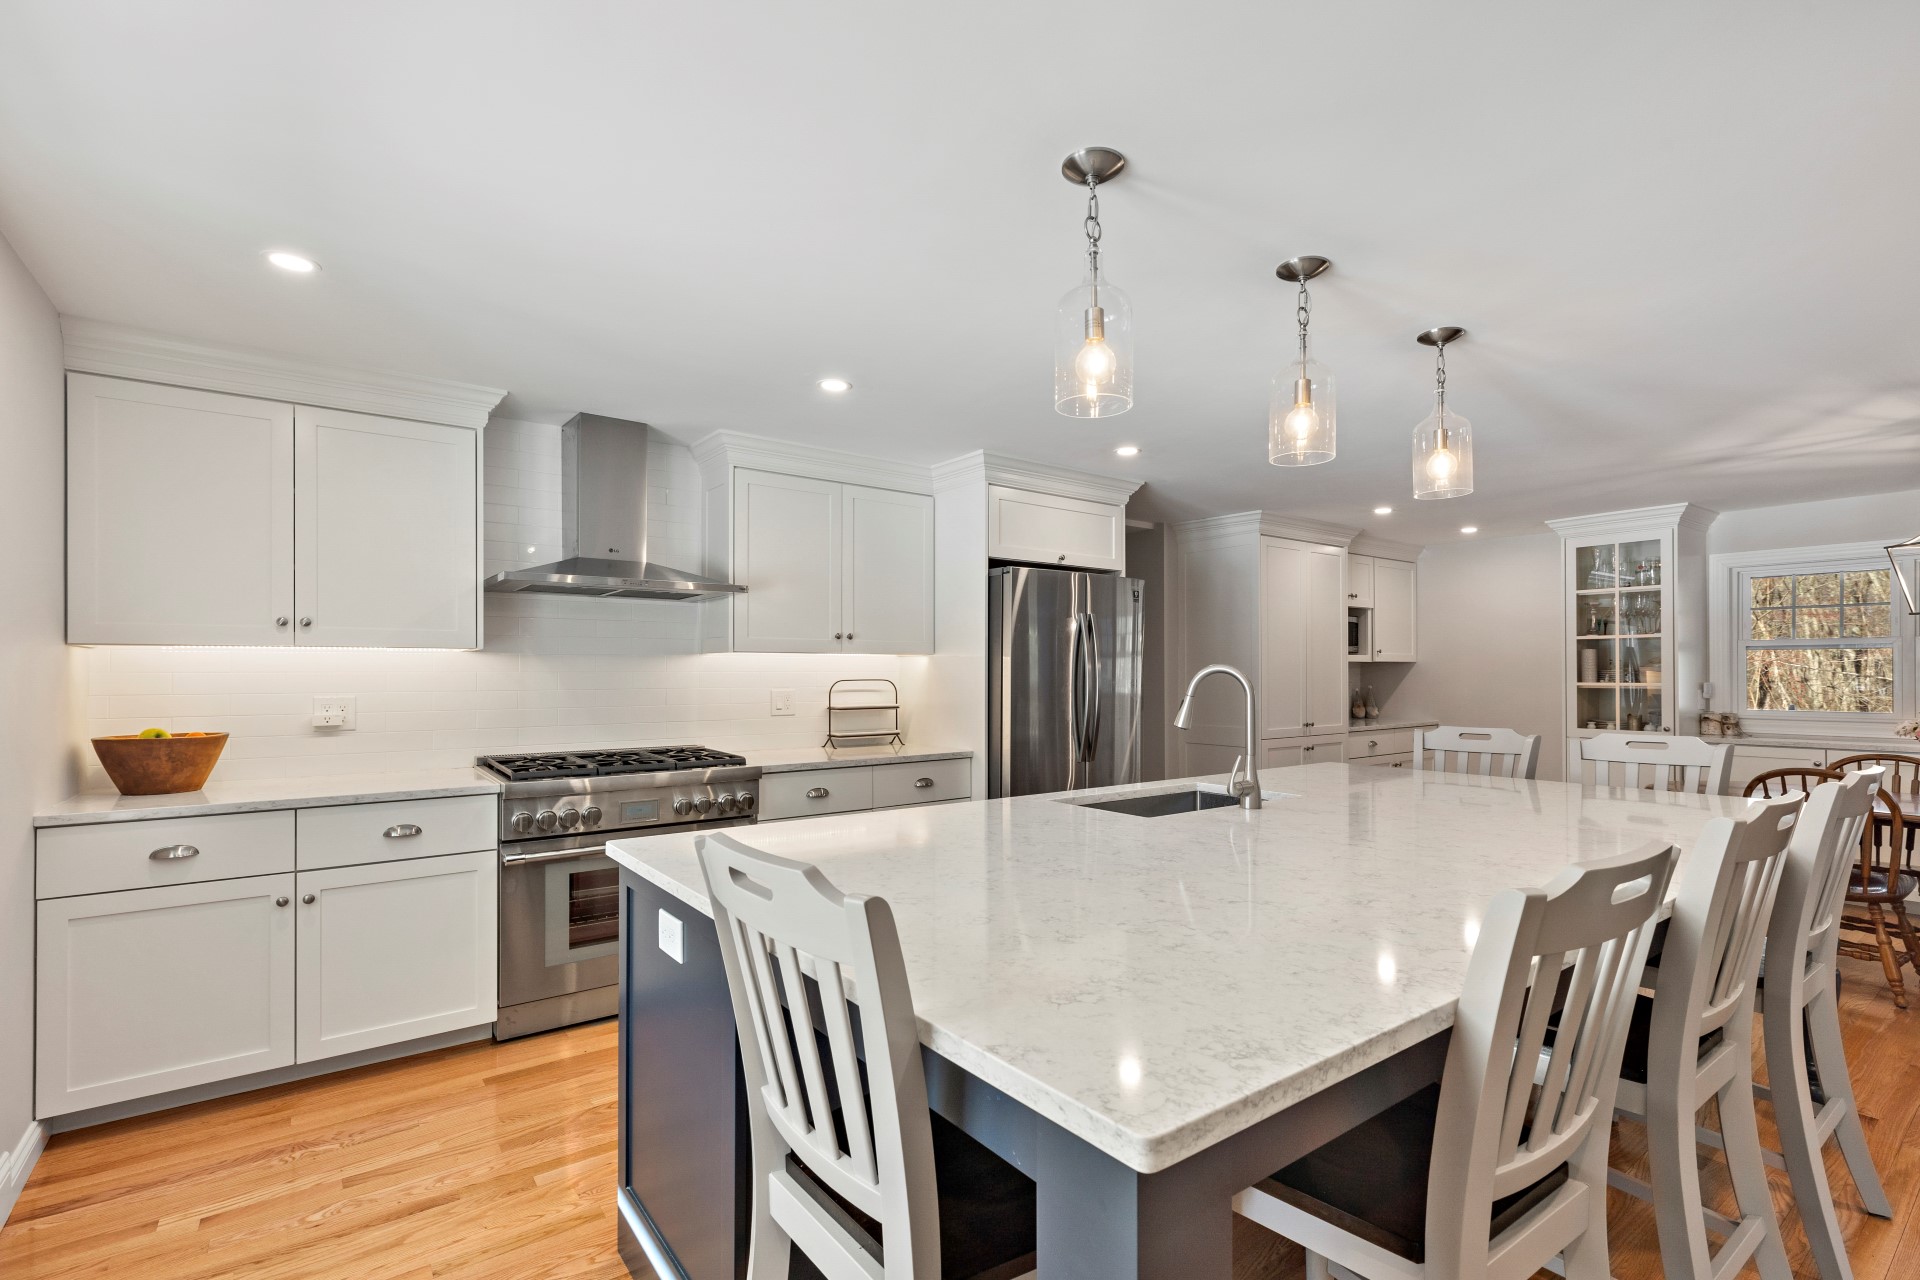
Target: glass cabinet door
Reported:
[(1619, 623)]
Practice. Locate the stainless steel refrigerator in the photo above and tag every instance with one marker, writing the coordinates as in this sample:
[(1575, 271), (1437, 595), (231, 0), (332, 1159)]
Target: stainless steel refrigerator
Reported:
[(1063, 707)]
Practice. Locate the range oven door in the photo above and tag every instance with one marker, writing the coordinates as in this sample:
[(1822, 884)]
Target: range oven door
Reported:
[(560, 914)]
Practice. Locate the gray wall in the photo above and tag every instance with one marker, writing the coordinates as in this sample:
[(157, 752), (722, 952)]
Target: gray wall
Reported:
[(36, 764)]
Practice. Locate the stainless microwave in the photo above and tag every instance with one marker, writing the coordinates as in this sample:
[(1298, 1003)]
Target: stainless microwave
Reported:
[(1356, 631)]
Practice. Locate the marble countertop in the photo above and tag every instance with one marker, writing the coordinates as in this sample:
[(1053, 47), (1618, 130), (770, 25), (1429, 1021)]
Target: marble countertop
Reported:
[(1156, 984), (788, 760), (1392, 722), (1885, 743), (278, 793)]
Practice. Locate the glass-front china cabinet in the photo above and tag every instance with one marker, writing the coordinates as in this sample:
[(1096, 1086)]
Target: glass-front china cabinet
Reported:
[(1636, 621)]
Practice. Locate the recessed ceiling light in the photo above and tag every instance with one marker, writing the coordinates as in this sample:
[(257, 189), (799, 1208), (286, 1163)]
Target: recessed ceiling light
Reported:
[(835, 385), (1383, 511), (1128, 450), (293, 262), (1469, 528)]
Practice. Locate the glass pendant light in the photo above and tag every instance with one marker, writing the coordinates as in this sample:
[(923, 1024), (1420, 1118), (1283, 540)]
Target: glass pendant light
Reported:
[(1300, 415), (1905, 559), (1443, 442), (1093, 347)]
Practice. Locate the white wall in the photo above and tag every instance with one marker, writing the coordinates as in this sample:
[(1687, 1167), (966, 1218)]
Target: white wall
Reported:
[(1490, 636), (555, 671), (35, 733), (1880, 517)]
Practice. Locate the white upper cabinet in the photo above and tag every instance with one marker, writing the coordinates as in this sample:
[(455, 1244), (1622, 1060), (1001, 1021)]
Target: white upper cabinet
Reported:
[(1303, 662), (1393, 611), (196, 517), (830, 567), (386, 540), (1359, 582), (1041, 528), (179, 515)]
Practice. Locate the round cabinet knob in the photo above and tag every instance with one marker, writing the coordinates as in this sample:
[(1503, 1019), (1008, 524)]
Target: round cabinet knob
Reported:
[(279, 902), (725, 802), (546, 820), (280, 622), (307, 898), (306, 622), (701, 804), (591, 815), (682, 806), (521, 822), (849, 635), (569, 819), (747, 801), (1063, 555), (838, 636)]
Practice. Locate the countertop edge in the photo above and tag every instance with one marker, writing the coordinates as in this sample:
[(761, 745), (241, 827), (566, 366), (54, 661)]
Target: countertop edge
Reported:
[(853, 761), (216, 808)]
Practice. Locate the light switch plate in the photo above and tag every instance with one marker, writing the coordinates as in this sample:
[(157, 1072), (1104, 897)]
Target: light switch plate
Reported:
[(673, 937), (782, 702), (335, 713)]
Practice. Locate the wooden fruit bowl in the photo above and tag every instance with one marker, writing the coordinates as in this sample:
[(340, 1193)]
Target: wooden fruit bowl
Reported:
[(159, 766)]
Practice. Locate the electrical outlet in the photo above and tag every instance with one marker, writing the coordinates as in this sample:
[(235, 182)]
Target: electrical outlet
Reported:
[(334, 713), (673, 937), (782, 702)]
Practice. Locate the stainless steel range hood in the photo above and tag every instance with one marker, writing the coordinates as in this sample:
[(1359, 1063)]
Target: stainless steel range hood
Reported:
[(603, 523)]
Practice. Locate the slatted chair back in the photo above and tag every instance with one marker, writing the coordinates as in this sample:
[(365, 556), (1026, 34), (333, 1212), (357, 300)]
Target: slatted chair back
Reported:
[(1902, 781), (1496, 1133), (1823, 859), (1797, 780), (1876, 870), (1659, 761), (1496, 752), (792, 945)]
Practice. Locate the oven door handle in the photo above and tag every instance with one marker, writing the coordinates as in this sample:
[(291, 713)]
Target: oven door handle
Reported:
[(552, 855)]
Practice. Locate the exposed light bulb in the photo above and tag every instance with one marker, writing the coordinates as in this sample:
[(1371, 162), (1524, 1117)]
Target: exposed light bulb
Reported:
[(1302, 423), (1095, 363), (1441, 464)]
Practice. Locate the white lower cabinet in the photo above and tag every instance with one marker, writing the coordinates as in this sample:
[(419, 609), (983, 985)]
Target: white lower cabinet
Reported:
[(395, 951), (806, 793), (1291, 751), (149, 990)]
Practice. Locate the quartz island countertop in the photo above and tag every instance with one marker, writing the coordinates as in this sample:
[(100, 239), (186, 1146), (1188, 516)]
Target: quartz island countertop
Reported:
[(1153, 985)]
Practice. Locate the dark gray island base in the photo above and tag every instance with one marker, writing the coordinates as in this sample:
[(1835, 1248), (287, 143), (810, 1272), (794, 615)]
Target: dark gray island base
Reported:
[(684, 1192)]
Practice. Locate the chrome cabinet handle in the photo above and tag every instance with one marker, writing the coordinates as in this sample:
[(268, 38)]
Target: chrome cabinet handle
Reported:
[(401, 831), (173, 853), (306, 622), (307, 898), (816, 793), (280, 901), (1373, 742), (923, 782)]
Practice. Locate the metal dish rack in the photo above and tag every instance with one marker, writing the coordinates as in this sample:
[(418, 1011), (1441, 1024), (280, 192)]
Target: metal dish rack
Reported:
[(838, 737)]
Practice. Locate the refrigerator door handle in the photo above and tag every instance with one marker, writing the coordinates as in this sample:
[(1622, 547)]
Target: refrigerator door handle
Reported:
[(1075, 733), (1090, 657)]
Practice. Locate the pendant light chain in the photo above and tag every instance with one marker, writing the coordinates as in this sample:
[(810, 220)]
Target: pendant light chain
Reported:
[(1440, 377), (1303, 311), (1093, 232)]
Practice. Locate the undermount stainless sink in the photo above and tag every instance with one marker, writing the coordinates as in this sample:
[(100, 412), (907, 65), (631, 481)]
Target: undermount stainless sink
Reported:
[(1163, 803)]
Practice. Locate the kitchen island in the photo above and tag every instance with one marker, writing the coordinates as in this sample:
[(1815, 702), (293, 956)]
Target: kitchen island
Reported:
[(1144, 1014)]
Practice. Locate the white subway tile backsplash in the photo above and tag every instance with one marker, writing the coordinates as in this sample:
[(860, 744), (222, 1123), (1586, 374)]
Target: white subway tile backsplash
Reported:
[(556, 672)]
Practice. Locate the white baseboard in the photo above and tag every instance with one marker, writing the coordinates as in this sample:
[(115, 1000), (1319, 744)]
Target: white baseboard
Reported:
[(16, 1166)]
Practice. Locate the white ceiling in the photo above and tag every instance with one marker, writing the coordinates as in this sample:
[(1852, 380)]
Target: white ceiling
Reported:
[(1683, 237)]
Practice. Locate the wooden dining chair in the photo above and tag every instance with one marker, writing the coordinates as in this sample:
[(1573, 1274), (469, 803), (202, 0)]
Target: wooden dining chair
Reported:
[(1496, 752), (1485, 1173), (845, 1149), (1901, 780), (1800, 1016), (1661, 762), (1881, 882), (1693, 1040)]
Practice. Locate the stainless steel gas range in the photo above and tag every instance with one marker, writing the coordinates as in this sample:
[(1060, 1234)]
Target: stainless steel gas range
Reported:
[(560, 893)]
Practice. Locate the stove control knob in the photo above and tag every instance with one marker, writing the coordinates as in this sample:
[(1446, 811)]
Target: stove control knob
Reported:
[(682, 806), (569, 819), (591, 815), (521, 822), (546, 820), (747, 800), (726, 802), (701, 804)]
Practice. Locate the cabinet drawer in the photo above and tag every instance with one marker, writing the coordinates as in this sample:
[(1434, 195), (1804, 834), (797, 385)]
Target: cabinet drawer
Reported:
[(1402, 761), (351, 834), (927, 782), (109, 856), (1048, 529), (789, 795), (1382, 742)]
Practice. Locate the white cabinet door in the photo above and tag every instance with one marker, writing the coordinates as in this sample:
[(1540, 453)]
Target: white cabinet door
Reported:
[(179, 515), (1393, 620), (788, 554), (156, 989), (889, 570), (1289, 752), (1326, 621), (395, 951), (386, 518), (1279, 755), (1359, 582), (1043, 529), (1286, 575)]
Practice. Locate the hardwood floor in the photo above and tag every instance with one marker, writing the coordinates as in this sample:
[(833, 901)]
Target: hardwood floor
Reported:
[(496, 1162)]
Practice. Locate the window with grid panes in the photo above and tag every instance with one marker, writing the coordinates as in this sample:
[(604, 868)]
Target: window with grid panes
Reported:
[(1820, 641)]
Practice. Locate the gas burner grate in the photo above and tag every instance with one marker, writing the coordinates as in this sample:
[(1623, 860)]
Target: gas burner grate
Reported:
[(589, 764)]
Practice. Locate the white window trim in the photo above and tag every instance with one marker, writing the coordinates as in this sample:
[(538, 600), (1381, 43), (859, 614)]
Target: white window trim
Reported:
[(1726, 632)]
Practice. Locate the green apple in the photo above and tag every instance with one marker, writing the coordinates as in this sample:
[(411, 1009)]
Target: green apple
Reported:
[(155, 733)]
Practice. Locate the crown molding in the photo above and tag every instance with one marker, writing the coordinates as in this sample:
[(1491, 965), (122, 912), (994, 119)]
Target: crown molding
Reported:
[(1367, 544), (1037, 477), (1320, 531), (1263, 524), (114, 351), (1683, 515), (761, 453)]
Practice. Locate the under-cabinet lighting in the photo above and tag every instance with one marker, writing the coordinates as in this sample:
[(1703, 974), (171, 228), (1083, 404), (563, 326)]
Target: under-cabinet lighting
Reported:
[(297, 263)]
